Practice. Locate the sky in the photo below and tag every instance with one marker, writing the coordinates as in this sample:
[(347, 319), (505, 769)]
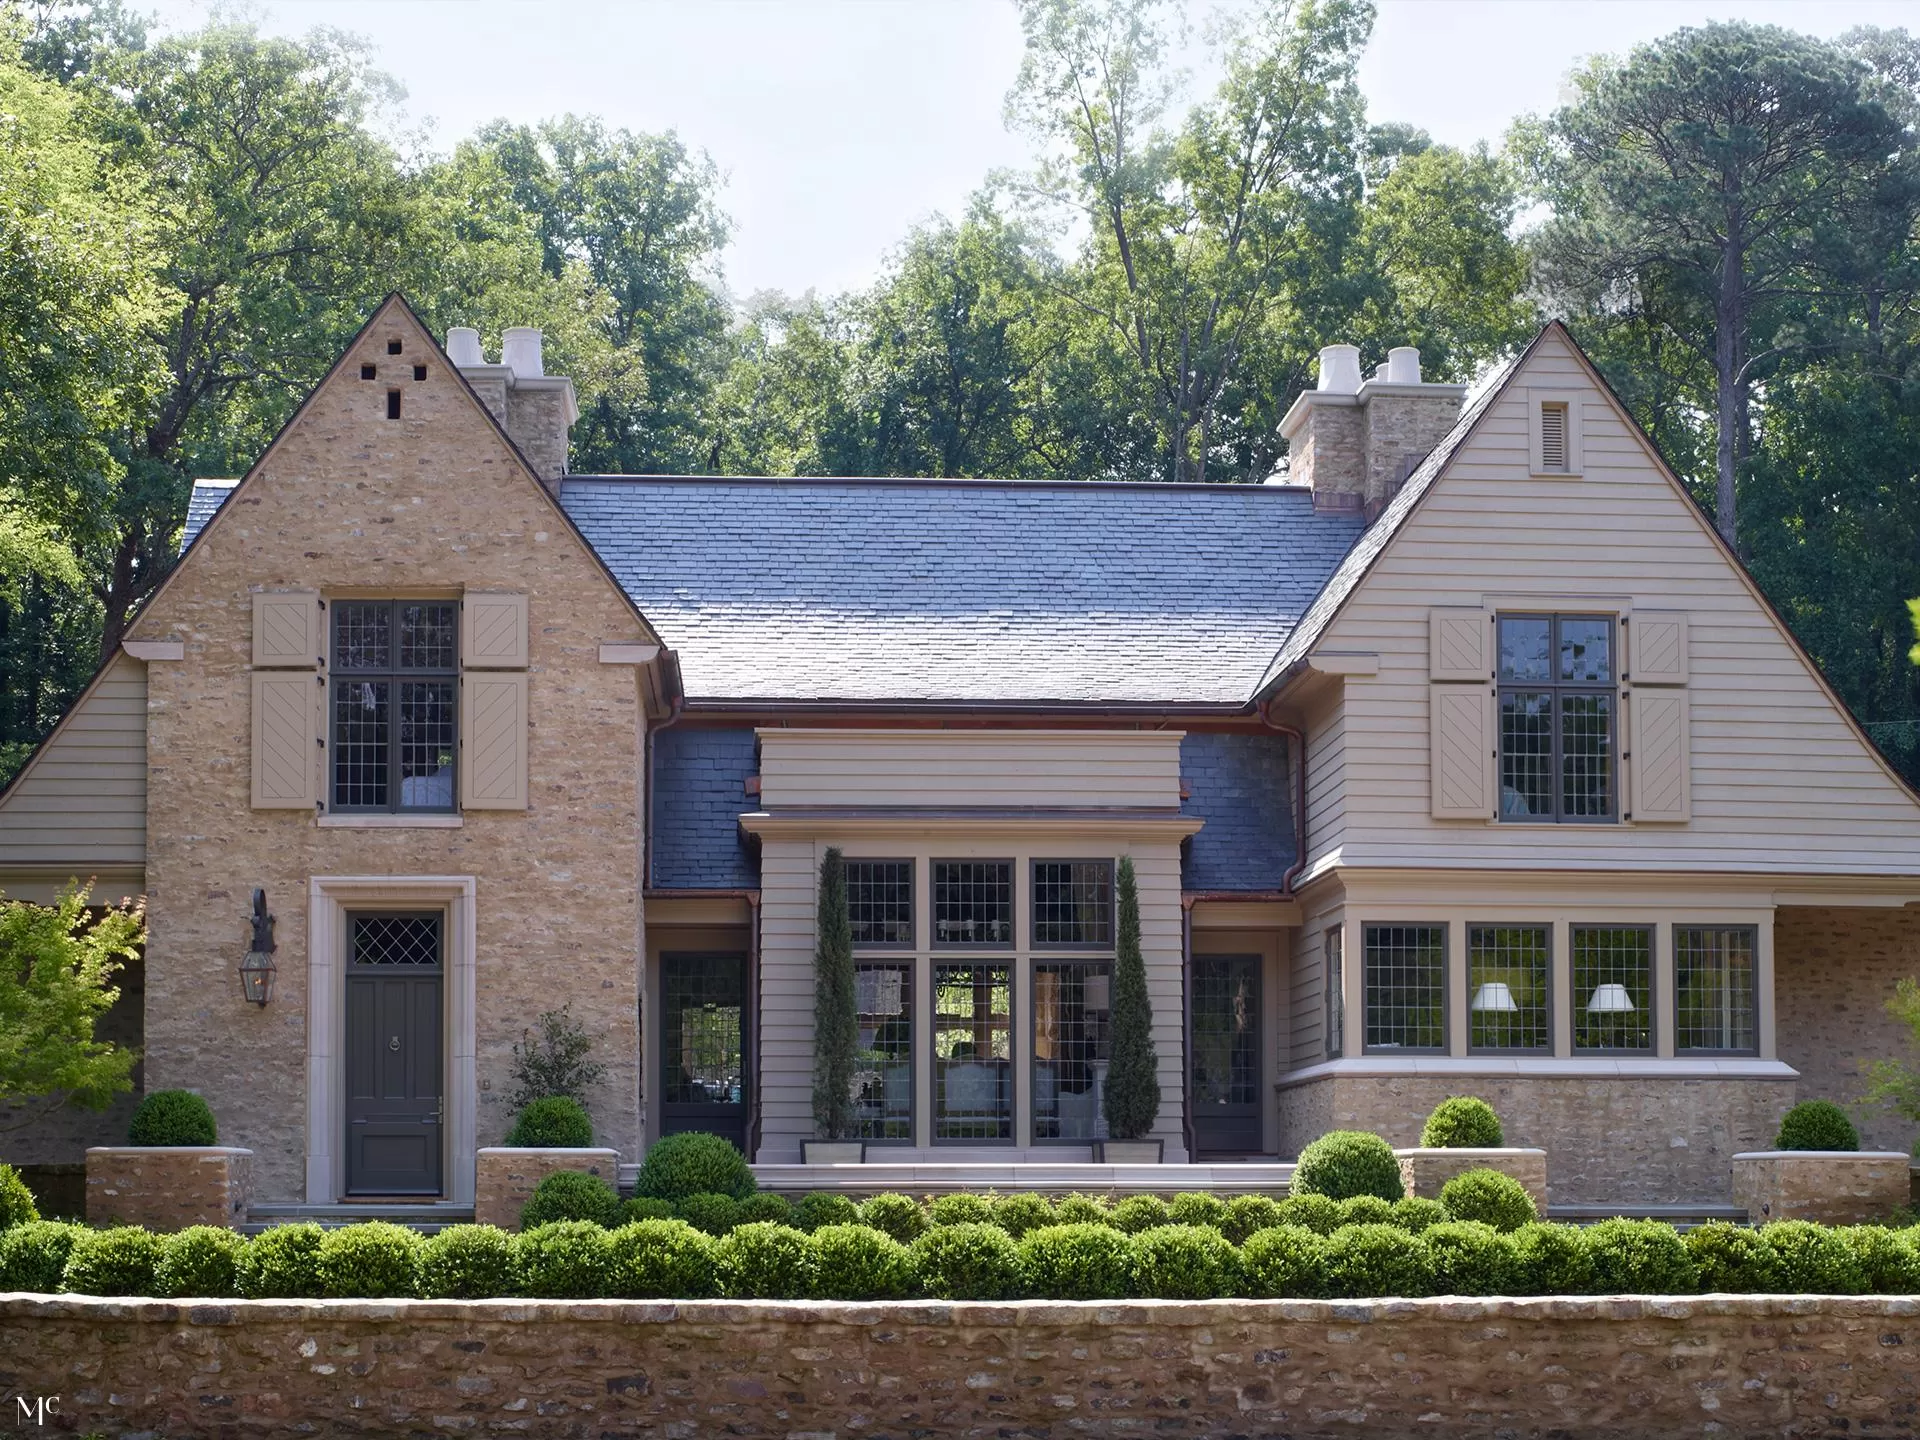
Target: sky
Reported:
[(839, 125)]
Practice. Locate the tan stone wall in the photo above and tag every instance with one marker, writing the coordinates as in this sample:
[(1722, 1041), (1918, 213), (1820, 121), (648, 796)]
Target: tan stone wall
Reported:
[(1830, 1187), (432, 502), (1725, 1365), (168, 1187), (1432, 1169), (1640, 1141), (506, 1178), (1834, 970), (1400, 427)]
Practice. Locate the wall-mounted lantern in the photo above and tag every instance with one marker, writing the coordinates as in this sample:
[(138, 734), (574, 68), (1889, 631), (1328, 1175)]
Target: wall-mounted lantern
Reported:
[(256, 971)]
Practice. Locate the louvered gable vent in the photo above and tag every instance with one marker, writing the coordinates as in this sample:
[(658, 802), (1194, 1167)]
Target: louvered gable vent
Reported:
[(1553, 437)]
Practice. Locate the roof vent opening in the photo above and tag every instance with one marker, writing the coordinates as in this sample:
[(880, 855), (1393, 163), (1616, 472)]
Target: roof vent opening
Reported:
[(1553, 438)]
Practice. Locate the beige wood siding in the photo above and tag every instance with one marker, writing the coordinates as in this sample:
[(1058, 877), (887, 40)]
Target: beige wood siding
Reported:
[(946, 769), (1324, 721), (1780, 781), (83, 799)]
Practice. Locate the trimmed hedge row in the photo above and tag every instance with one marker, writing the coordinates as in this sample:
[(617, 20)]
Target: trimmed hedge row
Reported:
[(963, 1260)]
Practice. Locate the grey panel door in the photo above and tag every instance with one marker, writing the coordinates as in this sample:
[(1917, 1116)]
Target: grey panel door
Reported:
[(706, 1031), (395, 1073), (1223, 1057)]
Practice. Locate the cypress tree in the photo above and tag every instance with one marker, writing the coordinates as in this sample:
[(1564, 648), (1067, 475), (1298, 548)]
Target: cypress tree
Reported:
[(1133, 1081), (836, 1014)]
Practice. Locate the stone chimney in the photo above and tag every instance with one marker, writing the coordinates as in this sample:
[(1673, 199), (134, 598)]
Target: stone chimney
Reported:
[(534, 408), (1355, 442)]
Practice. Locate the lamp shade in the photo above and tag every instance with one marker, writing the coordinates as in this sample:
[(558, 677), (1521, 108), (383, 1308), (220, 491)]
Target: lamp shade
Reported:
[(1611, 999), (1494, 995)]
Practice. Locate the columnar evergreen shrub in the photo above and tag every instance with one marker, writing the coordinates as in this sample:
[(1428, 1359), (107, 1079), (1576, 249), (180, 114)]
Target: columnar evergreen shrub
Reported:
[(646, 1207), (1344, 1163), (16, 1200), (1075, 1262), (823, 1208), (1079, 1209), (1317, 1213), (172, 1117), (1132, 1093), (967, 1261), (199, 1262), (836, 1008), (1415, 1213), (1366, 1210), (960, 1210), (1247, 1214), (556, 1121), (1888, 1261), (693, 1163), (1490, 1197), (856, 1262), (1284, 1262), (564, 1260), (715, 1214), (371, 1261), (1469, 1258), (1810, 1259), (764, 1261), (1022, 1211), (1731, 1259), (1197, 1207), (897, 1215), (33, 1255), (571, 1195), (1139, 1212), (1550, 1260), (766, 1207), (660, 1260), (1639, 1257), (283, 1263), (120, 1261), (467, 1262), (1362, 1261), (1184, 1262), (1463, 1122), (1816, 1125)]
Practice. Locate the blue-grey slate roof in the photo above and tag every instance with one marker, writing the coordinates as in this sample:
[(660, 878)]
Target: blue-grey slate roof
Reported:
[(699, 794), (955, 591), (1239, 785), (208, 496)]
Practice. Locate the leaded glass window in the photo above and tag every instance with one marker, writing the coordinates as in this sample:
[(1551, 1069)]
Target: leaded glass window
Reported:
[(1072, 1000), (1713, 972), (883, 1075), (1073, 903), (972, 902), (1507, 1006), (393, 721), (973, 1053), (1558, 706), (1613, 987), (880, 902), (1406, 986)]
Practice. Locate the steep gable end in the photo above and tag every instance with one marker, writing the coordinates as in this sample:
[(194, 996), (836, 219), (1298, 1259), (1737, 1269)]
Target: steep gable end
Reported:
[(81, 802)]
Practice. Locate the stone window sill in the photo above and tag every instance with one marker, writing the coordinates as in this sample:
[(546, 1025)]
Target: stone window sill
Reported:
[(390, 822)]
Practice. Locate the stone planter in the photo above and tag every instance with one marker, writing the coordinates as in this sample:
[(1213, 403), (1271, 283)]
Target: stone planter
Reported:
[(1425, 1171), (833, 1152), (168, 1187), (1129, 1152), (505, 1177), (1833, 1187)]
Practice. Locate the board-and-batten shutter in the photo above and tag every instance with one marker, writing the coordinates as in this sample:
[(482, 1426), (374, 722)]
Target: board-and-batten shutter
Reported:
[(1660, 741), (493, 701), (286, 629), (1460, 713), (288, 637)]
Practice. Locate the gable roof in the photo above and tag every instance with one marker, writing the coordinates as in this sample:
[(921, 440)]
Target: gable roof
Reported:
[(958, 591)]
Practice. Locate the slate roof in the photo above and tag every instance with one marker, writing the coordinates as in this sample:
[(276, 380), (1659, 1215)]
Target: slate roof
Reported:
[(964, 590), (208, 497)]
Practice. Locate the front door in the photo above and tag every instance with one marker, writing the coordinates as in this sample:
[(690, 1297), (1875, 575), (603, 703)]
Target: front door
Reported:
[(1223, 1056), (705, 1025), (394, 1067)]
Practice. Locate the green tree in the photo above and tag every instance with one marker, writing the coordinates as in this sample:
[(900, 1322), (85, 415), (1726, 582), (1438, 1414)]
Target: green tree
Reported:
[(784, 390), (57, 964), (836, 1013), (1132, 1094)]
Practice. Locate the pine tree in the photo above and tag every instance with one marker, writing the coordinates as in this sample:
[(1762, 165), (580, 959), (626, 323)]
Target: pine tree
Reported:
[(1133, 1082), (836, 1015)]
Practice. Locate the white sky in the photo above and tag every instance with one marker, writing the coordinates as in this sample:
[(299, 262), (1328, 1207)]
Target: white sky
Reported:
[(840, 124)]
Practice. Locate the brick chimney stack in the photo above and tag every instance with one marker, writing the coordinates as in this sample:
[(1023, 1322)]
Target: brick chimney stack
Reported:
[(534, 408), (1354, 442)]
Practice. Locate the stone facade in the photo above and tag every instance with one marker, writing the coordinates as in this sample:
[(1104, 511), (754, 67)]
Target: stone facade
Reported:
[(1402, 426), (1432, 1169), (1834, 971), (506, 1177), (168, 1187), (1651, 1141), (432, 503), (1720, 1365), (1833, 1187)]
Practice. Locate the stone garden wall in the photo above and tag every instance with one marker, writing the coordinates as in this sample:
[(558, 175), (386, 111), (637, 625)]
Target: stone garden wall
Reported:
[(1724, 1365)]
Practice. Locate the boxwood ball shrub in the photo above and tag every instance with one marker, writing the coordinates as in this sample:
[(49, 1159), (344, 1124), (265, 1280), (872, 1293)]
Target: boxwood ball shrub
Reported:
[(1463, 1122), (1888, 1262), (172, 1117), (16, 1200), (33, 1255), (1811, 1259), (967, 1261), (1730, 1259), (552, 1121), (1639, 1257), (1489, 1197), (571, 1195), (283, 1263), (1196, 1207), (201, 1261), (693, 1163), (564, 1260), (897, 1215), (1365, 1210), (120, 1261), (1362, 1261), (765, 1207), (1550, 1260), (857, 1262), (646, 1207), (1184, 1262), (467, 1262), (1082, 1261), (371, 1261), (1246, 1215), (715, 1214), (764, 1261), (822, 1208), (1344, 1163), (1816, 1125), (1284, 1262), (960, 1210), (1415, 1213), (1139, 1212), (1021, 1212), (1469, 1258), (660, 1260), (1080, 1209), (1313, 1212)]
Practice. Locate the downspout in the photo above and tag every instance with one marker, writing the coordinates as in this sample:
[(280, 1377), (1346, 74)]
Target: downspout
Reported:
[(1186, 1026), (1298, 743), (753, 993), (675, 708)]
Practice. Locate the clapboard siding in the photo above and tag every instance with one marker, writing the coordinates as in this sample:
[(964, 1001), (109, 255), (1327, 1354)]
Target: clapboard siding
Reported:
[(945, 769), (1781, 781), (1325, 726), (83, 799)]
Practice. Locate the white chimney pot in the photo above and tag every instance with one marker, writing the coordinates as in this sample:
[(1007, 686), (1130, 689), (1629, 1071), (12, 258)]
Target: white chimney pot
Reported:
[(1340, 370), (1403, 365), (520, 351), (463, 347)]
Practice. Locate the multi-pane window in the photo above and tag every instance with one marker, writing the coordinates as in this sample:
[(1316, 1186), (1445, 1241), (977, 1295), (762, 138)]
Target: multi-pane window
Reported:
[(396, 668), (973, 1053), (1507, 987), (1406, 986), (1558, 703), (1713, 972), (1073, 903), (880, 902), (1333, 993), (703, 1030), (972, 902), (1224, 1006), (1612, 987), (1071, 1004), (883, 1079)]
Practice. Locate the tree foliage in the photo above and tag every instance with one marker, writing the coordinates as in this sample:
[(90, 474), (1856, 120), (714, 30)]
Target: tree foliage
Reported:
[(1132, 1094), (836, 1009)]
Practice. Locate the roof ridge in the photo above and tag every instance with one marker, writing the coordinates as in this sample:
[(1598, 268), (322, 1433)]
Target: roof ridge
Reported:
[(983, 482)]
